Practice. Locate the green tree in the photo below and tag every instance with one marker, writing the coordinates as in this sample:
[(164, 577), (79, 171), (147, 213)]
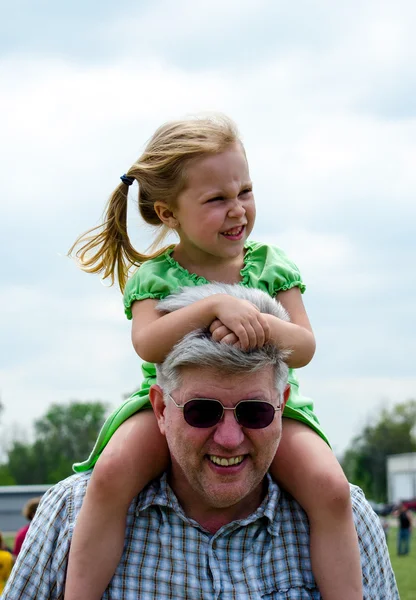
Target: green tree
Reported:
[(364, 461), (5, 476), (63, 436)]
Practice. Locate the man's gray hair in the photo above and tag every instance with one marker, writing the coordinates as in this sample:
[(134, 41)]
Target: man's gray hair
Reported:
[(199, 349)]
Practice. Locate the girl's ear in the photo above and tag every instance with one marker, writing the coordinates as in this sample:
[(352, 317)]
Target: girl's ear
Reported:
[(165, 214)]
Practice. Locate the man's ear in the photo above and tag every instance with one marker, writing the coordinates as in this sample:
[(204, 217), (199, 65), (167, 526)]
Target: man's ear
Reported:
[(165, 214), (286, 395), (158, 405)]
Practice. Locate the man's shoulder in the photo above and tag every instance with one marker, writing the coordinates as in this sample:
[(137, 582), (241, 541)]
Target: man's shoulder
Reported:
[(367, 523), (74, 483), (71, 492), (360, 504), (361, 508), (72, 488)]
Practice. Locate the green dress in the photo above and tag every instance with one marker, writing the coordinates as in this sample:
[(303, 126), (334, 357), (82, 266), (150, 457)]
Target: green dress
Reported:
[(266, 268)]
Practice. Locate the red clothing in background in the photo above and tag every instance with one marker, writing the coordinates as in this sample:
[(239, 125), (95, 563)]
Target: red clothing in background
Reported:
[(20, 536)]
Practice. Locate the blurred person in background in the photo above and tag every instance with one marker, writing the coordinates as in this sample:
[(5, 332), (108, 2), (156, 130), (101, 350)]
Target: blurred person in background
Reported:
[(405, 529), (28, 512), (6, 563)]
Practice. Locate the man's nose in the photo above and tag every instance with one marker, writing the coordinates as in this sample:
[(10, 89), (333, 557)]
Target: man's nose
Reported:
[(228, 433)]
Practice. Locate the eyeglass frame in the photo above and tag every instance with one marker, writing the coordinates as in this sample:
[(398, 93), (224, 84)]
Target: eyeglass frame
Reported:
[(224, 408)]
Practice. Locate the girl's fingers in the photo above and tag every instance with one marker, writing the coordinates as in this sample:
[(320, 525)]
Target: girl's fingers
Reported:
[(256, 334), (260, 336), (215, 325), (230, 339), (253, 332), (243, 336), (244, 320), (266, 327), (220, 332)]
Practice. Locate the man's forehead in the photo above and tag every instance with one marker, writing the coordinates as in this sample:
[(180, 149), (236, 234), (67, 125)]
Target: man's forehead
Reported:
[(211, 381)]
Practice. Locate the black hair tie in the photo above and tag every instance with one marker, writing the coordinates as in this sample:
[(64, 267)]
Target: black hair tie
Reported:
[(127, 180)]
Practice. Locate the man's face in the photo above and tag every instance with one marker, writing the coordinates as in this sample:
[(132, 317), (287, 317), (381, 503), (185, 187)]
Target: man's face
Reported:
[(196, 476)]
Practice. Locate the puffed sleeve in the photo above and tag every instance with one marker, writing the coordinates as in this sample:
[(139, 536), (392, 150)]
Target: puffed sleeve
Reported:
[(151, 280), (268, 268)]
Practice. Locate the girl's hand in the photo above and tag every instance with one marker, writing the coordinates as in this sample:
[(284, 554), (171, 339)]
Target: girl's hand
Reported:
[(243, 319), (221, 333)]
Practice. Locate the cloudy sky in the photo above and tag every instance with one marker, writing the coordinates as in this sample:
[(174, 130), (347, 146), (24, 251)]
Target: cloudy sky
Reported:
[(324, 95)]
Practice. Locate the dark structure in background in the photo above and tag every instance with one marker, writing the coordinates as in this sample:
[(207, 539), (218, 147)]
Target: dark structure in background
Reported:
[(12, 500)]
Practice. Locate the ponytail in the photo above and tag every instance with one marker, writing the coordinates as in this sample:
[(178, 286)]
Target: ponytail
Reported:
[(107, 248)]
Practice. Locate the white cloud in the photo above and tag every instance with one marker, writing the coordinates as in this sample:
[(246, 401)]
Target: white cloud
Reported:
[(67, 121), (345, 405), (329, 262)]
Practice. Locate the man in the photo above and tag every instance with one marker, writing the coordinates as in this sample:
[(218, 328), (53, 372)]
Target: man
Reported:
[(215, 525), (404, 530)]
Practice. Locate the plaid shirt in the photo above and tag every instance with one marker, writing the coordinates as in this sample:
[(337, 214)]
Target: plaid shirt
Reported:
[(168, 555)]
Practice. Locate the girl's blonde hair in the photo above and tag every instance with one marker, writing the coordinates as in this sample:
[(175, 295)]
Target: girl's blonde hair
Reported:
[(161, 174)]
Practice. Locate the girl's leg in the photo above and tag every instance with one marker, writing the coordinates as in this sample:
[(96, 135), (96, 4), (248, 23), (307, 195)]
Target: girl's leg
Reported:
[(306, 467), (136, 454)]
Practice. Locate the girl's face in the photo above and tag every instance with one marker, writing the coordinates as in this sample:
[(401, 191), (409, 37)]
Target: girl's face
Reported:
[(215, 212)]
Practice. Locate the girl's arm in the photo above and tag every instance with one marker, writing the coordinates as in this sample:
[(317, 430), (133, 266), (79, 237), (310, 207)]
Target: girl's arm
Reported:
[(297, 335), (154, 334)]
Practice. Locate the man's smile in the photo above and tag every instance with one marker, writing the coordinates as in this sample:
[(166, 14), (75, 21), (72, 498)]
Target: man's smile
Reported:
[(226, 462)]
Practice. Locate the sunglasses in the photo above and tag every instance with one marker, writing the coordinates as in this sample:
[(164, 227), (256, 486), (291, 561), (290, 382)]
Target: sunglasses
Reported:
[(207, 412)]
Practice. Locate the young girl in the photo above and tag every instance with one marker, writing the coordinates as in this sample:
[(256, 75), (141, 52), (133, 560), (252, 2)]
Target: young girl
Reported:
[(194, 179)]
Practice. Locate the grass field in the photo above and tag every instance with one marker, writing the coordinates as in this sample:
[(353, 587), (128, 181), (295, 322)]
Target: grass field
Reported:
[(9, 541), (404, 566)]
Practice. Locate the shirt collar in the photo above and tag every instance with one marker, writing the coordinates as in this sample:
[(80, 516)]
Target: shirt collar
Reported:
[(159, 493)]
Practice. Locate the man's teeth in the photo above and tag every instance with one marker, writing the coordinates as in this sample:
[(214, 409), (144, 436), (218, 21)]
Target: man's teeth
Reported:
[(226, 462)]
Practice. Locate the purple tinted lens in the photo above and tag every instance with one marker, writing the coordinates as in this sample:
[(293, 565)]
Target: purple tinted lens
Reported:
[(255, 415), (202, 413)]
